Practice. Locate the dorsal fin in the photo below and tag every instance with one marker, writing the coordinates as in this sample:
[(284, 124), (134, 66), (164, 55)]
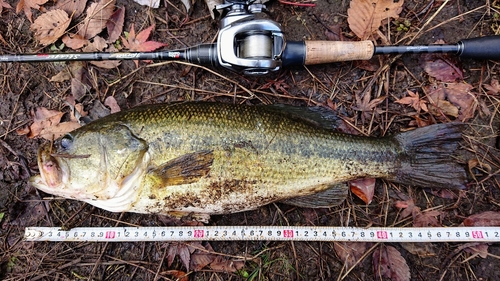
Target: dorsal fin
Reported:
[(317, 116)]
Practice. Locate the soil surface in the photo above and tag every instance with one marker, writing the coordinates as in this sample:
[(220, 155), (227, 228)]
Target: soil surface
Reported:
[(339, 86)]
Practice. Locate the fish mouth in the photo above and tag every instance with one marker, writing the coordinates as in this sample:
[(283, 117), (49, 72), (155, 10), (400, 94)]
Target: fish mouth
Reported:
[(51, 169)]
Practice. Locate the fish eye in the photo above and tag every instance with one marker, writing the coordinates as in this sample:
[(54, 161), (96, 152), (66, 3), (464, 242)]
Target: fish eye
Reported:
[(66, 141)]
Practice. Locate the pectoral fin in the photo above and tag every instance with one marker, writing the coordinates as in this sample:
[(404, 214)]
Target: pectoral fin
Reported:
[(185, 169), (331, 197)]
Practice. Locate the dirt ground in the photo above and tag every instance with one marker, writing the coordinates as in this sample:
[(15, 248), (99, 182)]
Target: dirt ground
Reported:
[(24, 87)]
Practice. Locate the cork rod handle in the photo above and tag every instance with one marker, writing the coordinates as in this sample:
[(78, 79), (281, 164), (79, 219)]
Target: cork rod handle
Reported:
[(318, 52)]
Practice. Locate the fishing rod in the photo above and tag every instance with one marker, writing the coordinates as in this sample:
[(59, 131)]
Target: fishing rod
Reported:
[(257, 47)]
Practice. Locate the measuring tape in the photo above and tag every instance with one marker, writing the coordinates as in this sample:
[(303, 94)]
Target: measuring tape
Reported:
[(264, 233)]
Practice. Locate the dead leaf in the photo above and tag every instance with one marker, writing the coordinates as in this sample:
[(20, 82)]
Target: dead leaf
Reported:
[(74, 41), (363, 188), (98, 15), (420, 219), (478, 250), (350, 252), (414, 101), (426, 218), (368, 65), (419, 249), (488, 218), (442, 67), (50, 26), (388, 263), (493, 88), (183, 251), (80, 83), (444, 193), (27, 5), (452, 99), (200, 260), (365, 16), (72, 7), (46, 124), (221, 264), (443, 107), (44, 118), (63, 75), (30, 213), (179, 275), (408, 206), (334, 32), (366, 105), (98, 44), (139, 43), (115, 25), (112, 104), (4, 4)]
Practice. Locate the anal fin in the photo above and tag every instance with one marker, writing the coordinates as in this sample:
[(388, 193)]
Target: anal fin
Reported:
[(333, 196)]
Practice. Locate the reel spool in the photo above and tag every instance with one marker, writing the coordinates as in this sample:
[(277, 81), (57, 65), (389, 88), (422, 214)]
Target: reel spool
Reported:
[(256, 45)]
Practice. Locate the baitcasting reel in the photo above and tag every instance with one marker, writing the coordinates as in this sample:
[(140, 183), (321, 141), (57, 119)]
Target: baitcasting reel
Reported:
[(246, 44)]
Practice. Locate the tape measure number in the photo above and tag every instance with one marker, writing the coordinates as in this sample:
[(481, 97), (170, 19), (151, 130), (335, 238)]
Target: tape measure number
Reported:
[(270, 233)]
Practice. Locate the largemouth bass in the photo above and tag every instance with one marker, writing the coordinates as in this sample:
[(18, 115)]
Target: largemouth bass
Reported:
[(213, 158)]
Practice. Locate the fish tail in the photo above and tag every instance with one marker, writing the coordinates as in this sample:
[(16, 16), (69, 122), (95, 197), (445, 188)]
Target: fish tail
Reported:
[(427, 160)]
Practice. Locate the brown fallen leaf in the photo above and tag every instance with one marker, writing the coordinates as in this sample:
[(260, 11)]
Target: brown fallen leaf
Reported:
[(139, 43), (112, 104), (221, 264), (115, 25), (363, 188), (74, 41), (388, 263), (366, 104), (80, 83), (44, 118), (183, 250), (334, 32), (452, 99), (408, 206), (493, 88), (4, 4), (442, 67), (97, 44), (420, 219), (426, 219), (46, 124), (365, 16), (419, 249), (444, 193), (27, 5), (72, 7), (50, 26), (350, 252), (488, 218), (413, 100), (478, 250), (443, 107), (98, 15), (179, 275)]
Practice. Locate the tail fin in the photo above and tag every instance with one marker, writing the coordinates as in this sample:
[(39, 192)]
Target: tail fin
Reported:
[(428, 161)]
